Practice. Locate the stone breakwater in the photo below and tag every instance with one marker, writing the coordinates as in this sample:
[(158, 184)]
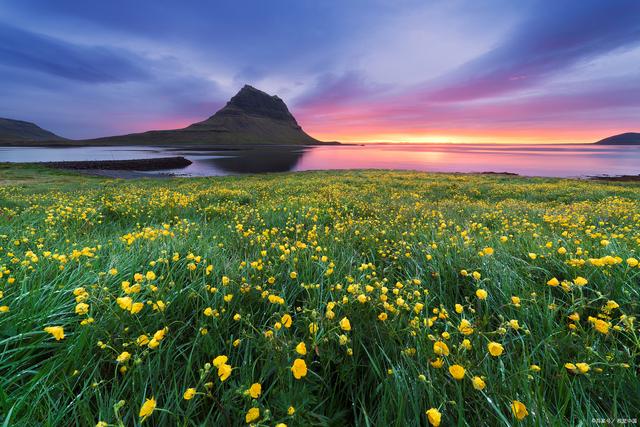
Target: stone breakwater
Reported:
[(159, 163)]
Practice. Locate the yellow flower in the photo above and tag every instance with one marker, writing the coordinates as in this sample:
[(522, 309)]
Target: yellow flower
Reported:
[(159, 335), (293, 275), (124, 302), (434, 416), (56, 331), (220, 360), (478, 383), (578, 368), (286, 320), (291, 410), (514, 324), (4, 309), (150, 275), (583, 367), (82, 308), (465, 327), (255, 390), (553, 282), (345, 325), (457, 372), (515, 301), (383, 316), (147, 408), (600, 325), (519, 410), (281, 425), (299, 368), (495, 349), (611, 305), (301, 348), (580, 281), (224, 371), (189, 393), (136, 307), (313, 328), (252, 415), (481, 294), (437, 363), (208, 312), (142, 340), (535, 368), (123, 357), (440, 348), (632, 262)]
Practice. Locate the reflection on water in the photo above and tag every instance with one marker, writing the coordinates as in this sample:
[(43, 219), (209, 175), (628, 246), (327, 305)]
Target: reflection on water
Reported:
[(532, 160), (254, 161)]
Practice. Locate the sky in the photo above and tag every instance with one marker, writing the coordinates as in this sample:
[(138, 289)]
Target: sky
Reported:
[(350, 70)]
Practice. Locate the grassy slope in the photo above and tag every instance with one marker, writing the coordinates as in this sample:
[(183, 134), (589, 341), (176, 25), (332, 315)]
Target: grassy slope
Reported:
[(378, 229)]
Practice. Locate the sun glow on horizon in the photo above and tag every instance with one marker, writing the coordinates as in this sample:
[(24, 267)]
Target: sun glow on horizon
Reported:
[(440, 138)]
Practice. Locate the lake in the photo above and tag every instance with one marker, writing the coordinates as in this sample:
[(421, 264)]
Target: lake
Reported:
[(530, 160)]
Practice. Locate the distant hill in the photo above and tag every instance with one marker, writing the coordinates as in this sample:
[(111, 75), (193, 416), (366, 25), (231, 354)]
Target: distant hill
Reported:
[(17, 130), (629, 138), (250, 117)]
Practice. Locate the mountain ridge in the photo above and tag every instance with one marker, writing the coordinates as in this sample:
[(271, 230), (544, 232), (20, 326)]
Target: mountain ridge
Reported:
[(18, 130), (627, 138)]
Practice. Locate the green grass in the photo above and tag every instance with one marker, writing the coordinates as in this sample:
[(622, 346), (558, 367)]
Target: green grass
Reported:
[(370, 242)]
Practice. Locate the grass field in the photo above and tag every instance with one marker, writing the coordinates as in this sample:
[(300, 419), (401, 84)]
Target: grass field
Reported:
[(335, 298)]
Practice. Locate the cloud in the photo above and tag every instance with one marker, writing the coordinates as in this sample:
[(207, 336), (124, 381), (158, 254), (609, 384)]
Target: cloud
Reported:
[(88, 64), (553, 37), (330, 90)]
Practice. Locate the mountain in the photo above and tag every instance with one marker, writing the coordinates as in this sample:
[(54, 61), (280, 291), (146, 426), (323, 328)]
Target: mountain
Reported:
[(250, 117), (629, 138), (17, 130)]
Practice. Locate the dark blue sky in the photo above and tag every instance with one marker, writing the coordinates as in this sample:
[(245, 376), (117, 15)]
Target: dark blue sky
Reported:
[(350, 70)]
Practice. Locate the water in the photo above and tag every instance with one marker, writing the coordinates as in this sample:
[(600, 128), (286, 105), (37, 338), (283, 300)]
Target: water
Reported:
[(529, 160)]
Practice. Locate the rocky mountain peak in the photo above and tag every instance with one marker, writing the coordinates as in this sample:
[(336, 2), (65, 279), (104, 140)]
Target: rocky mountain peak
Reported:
[(254, 102)]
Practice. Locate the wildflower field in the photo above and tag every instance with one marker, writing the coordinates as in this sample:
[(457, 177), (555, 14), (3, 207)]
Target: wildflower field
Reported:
[(323, 298)]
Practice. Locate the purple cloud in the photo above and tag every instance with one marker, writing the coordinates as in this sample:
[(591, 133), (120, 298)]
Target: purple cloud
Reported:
[(555, 36), (89, 64)]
